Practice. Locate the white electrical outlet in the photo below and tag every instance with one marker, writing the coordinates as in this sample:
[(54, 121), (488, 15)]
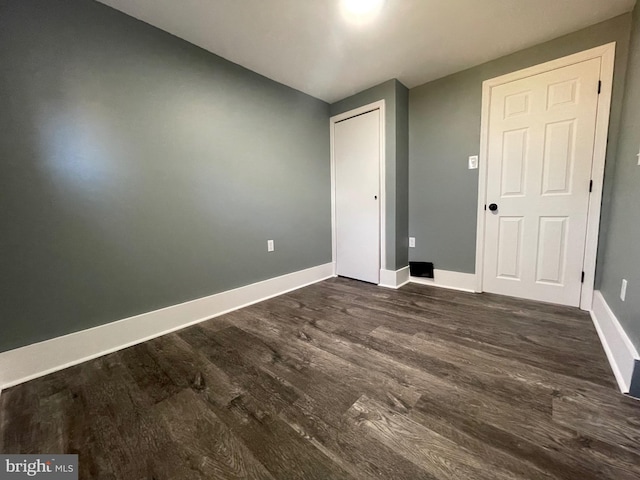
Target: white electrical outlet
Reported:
[(412, 242), (623, 290), (270, 246), (473, 162)]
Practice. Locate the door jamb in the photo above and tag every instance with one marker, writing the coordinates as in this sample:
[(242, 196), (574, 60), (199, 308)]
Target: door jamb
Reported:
[(607, 55), (379, 105)]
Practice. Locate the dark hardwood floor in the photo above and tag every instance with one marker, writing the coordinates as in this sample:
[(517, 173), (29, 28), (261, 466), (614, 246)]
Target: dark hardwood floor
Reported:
[(344, 380)]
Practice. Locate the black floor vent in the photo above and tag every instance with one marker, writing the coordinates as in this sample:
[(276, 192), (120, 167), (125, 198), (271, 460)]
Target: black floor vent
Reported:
[(421, 269)]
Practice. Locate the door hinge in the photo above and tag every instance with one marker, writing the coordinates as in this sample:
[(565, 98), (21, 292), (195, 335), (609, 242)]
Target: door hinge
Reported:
[(485, 206), (599, 86), (582, 278), (590, 186)]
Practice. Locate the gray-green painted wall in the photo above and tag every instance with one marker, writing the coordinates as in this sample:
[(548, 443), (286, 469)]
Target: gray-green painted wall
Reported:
[(138, 171), (395, 96), (621, 253), (444, 130), (402, 176)]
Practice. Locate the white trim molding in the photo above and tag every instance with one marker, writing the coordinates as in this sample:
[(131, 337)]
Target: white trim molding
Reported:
[(606, 53), (394, 279), (622, 355), (26, 363), (379, 105), (464, 282)]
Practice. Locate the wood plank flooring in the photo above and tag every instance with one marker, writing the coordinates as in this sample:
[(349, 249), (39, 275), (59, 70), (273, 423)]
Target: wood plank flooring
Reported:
[(344, 380)]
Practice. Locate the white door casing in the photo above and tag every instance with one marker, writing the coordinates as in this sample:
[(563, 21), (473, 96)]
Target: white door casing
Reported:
[(356, 152), (542, 143)]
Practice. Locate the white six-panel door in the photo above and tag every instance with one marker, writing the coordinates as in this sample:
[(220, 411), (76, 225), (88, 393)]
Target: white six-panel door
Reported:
[(357, 196), (540, 153)]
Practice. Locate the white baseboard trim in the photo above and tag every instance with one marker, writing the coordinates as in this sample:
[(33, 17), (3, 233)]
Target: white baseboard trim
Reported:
[(620, 351), (26, 363), (465, 282), (394, 279)]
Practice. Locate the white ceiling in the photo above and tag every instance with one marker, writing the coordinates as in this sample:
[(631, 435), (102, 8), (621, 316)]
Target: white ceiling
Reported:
[(308, 45)]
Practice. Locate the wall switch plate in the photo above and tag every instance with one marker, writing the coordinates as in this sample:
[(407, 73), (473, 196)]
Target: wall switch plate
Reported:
[(638, 159), (623, 290), (270, 246), (412, 242), (473, 162)]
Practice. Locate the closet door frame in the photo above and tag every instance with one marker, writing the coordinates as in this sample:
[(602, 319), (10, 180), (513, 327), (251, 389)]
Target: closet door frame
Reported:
[(379, 105)]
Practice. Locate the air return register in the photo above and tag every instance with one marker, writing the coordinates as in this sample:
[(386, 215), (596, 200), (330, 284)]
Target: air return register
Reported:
[(421, 269)]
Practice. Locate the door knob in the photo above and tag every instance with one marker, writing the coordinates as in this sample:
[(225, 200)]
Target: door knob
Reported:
[(493, 207), (375, 197)]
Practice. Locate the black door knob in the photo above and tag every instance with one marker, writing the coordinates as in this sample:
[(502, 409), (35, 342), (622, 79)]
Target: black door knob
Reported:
[(493, 207)]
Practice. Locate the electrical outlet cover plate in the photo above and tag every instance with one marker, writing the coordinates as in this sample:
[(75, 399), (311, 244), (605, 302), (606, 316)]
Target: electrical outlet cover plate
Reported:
[(623, 290), (473, 162), (412, 242)]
